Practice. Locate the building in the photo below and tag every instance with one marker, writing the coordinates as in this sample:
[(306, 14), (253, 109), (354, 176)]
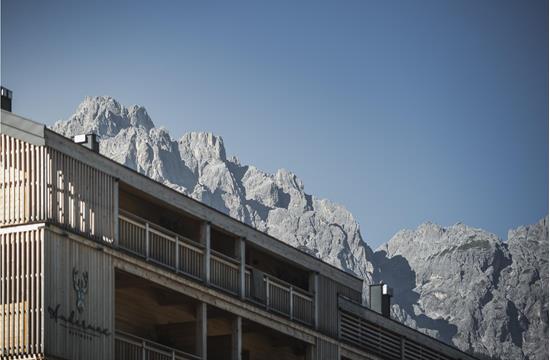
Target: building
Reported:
[(100, 262)]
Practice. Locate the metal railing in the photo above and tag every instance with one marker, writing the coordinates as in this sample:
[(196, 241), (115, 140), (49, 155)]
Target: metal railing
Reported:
[(224, 272), (281, 297), (131, 347), (182, 255)]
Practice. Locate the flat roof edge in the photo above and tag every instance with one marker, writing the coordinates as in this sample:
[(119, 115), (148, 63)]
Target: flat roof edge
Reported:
[(22, 128)]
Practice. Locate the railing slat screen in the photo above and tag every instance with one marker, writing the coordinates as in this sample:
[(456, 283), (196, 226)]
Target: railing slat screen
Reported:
[(38, 183)]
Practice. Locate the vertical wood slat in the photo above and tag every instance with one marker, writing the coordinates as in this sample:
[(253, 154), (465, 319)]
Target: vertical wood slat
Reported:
[(20, 284), (38, 183)]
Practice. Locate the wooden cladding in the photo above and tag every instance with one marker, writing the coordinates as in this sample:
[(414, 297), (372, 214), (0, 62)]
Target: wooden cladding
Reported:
[(22, 190), (79, 317), (41, 184), (329, 290), (21, 292)]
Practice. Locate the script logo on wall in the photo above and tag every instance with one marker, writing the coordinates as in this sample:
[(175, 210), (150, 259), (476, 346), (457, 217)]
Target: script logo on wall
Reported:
[(80, 284), (72, 320)]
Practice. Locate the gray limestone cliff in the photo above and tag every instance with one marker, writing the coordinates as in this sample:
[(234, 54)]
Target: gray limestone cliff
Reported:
[(462, 285)]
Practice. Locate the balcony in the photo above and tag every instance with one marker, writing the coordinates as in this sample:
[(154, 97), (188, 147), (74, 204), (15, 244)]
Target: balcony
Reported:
[(184, 256)]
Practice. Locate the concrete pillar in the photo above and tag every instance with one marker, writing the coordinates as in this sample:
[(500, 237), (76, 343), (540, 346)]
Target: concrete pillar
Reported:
[(201, 332), (205, 241), (310, 352), (240, 248), (236, 338), (314, 287), (115, 213)]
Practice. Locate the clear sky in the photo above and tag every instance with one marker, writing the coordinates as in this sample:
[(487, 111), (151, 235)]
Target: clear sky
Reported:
[(403, 111)]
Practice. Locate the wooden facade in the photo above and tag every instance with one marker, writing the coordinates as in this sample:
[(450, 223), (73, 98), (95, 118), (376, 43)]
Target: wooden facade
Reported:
[(41, 184), (100, 262), (77, 328), (22, 291)]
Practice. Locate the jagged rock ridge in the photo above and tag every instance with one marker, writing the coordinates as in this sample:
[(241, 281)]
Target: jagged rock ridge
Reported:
[(462, 285), (482, 294)]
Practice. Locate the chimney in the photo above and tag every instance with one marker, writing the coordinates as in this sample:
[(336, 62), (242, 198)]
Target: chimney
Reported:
[(88, 140), (6, 98), (380, 298)]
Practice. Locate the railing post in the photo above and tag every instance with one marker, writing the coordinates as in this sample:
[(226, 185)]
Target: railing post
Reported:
[(267, 293), (291, 293), (177, 254), (173, 354), (147, 235), (143, 352)]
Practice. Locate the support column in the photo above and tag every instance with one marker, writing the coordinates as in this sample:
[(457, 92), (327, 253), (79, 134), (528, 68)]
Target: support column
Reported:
[(240, 248), (314, 287), (205, 241), (201, 332), (115, 213), (236, 338), (311, 352)]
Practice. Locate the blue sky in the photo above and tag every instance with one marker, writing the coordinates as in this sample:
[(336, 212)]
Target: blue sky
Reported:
[(403, 111)]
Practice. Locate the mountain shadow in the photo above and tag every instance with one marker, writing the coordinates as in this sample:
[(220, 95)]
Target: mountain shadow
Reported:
[(398, 274)]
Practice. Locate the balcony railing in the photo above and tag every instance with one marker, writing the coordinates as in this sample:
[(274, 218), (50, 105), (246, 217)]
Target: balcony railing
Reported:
[(168, 249), (225, 272), (280, 296), (160, 245), (131, 347)]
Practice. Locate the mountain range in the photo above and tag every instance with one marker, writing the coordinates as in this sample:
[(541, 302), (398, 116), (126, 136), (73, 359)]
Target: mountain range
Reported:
[(462, 285)]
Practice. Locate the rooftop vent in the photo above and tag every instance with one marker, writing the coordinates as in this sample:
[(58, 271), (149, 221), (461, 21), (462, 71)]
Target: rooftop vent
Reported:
[(88, 140), (380, 298), (6, 98)]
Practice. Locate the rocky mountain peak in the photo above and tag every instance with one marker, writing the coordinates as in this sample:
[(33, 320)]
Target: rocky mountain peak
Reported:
[(104, 116), (139, 117), (460, 284), (199, 148)]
